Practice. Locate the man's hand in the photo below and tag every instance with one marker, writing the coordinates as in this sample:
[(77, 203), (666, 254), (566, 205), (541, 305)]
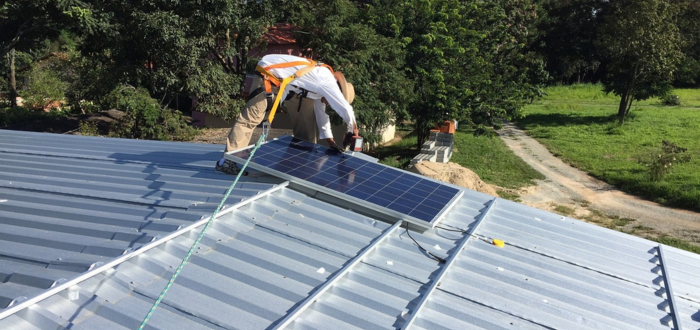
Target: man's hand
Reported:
[(347, 139), (334, 147)]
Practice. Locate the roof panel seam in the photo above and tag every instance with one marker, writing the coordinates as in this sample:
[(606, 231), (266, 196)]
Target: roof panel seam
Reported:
[(104, 199), (340, 253), (496, 309), (486, 238), (105, 159), (201, 318)]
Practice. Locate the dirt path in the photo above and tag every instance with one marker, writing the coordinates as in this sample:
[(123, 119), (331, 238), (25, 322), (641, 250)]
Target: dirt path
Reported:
[(569, 190)]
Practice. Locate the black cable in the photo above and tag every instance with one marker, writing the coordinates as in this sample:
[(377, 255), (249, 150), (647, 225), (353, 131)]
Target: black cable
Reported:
[(441, 260), (449, 229), (463, 231)]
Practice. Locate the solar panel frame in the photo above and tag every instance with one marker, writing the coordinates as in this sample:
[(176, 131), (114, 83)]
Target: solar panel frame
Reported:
[(406, 188)]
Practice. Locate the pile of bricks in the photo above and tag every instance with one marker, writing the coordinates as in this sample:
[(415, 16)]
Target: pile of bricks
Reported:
[(439, 146)]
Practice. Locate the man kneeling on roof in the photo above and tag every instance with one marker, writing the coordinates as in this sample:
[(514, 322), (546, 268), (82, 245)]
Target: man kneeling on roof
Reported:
[(304, 79)]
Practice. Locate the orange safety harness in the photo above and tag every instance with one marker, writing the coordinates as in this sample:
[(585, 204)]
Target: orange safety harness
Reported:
[(269, 79)]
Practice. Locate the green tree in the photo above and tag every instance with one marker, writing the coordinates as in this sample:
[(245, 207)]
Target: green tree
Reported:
[(566, 39), (689, 25), (25, 25), (641, 42), (185, 46), (24, 21), (466, 59)]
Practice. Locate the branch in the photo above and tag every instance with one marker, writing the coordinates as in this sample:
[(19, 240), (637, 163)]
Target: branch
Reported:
[(221, 59), (20, 31), (43, 58)]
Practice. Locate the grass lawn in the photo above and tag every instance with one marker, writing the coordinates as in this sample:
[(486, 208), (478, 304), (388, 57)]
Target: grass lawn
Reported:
[(491, 159), (488, 157), (399, 153), (593, 94), (578, 124)]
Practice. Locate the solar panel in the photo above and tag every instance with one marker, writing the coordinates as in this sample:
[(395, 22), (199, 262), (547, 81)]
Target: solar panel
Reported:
[(405, 195)]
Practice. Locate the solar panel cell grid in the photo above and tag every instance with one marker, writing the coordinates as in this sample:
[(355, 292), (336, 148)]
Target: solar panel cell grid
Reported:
[(380, 185)]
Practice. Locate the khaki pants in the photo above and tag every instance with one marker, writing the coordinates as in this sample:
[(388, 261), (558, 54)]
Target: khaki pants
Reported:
[(303, 121), (250, 117)]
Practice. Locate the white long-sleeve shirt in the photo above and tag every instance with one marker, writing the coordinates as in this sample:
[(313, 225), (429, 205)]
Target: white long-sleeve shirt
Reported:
[(320, 83)]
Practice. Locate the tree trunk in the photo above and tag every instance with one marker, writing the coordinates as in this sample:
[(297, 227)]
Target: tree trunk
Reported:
[(421, 133), (13, 81), (622, 109), (627, 97), (578, 74)]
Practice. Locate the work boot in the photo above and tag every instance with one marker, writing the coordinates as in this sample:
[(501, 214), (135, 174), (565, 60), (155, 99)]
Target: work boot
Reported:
[(226, 166)]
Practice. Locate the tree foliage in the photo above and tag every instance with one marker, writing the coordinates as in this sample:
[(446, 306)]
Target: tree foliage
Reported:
[(688, 73), (566, 39), (184, 46), (26, 22), (466, 61), (44, 87), (420, 60), (426, 60), (143, 116), (641, 41)]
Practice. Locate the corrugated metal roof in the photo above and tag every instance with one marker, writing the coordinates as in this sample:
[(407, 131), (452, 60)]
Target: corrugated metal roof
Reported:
[(69, 202), (258, 263)]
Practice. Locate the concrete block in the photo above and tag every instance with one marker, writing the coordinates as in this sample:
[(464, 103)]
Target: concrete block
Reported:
[(423, 157), (449, 138), (431, 152), (428, 157)]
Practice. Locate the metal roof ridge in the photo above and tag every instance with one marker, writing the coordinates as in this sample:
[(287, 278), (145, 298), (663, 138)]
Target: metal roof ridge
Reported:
[(436, 282), (668, 287), (19, 305), (101, 158), (170, 203), (290, 317)]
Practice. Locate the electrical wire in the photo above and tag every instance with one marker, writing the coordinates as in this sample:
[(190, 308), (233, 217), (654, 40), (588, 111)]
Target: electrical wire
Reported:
[(441, 260), (483, 238), (450, 229)]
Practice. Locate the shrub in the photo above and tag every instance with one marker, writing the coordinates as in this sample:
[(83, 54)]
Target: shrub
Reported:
[(20, 116), (86, 107), (141, 113), (44, 88), (175, 127), (661, 161), (88, 128), (144, 118), (671, 100)]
